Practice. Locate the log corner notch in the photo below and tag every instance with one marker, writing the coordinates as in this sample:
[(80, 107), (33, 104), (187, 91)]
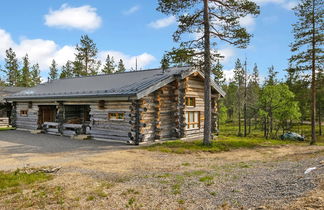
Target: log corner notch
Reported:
[(135, 135), (180, 114), (14, 115), (215, 113), (60, 116)]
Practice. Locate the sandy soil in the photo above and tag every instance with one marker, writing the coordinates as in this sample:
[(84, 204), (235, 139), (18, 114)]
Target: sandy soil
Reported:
[(261, 178)]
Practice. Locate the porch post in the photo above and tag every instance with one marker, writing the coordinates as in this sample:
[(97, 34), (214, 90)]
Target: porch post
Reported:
[(14, 114), (60, 116)]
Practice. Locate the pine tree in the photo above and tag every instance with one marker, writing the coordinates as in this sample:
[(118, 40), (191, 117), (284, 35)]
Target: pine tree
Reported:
[(53, 74), (86, 62), (272, 74), (239, 80), (199, 17), (12, 68), (35, 75), (25, 79), (253, 96), (217, 70), (308, 46), (121, 66), (110, 66), (67, 70)]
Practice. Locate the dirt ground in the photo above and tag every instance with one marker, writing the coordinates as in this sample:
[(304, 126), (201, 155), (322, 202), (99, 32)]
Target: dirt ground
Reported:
[(261, 178)]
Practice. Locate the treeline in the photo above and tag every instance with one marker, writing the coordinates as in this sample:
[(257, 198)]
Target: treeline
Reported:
[(272, 106), (21, 73)]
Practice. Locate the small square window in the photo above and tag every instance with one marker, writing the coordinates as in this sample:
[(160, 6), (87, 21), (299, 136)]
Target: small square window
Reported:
[(116, 116), (190, 101), (23, 113)]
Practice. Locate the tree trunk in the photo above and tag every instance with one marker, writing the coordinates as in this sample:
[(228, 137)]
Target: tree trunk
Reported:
[(313, 108), (319, 119), (207, 67), (239, 121), (245, 90)]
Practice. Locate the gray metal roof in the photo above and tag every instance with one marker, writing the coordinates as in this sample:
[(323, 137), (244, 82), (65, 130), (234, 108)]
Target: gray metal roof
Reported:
[(133, 83), (6, 91)]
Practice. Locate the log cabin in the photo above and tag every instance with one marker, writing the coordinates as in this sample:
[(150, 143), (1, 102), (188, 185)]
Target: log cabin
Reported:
[(135, 106)]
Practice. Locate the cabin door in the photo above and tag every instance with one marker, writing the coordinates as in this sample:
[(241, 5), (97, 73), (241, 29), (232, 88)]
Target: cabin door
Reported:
[(46, 114)]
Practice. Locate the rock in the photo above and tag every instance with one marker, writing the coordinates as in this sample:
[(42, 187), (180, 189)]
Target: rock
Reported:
[(36, 131), (322, 162), (261, 207), (81, 137)]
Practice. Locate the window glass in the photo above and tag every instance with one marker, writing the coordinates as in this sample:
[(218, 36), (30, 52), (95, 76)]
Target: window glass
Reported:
[(116, 116), (190, 101), (192, 120)]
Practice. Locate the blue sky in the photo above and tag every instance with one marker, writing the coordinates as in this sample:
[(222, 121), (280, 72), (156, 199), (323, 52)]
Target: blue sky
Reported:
[(130, 29)]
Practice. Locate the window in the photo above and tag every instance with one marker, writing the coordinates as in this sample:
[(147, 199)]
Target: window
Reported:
[(101, 104), (190, 101), (193, 120), (24, 113), (116, 116)]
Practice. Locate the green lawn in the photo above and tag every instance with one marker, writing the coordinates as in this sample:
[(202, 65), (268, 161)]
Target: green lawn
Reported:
[(6, 128), (18, 179), (228, 140)]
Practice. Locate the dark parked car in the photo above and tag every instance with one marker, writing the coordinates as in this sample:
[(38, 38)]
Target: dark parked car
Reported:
[(292, 136)]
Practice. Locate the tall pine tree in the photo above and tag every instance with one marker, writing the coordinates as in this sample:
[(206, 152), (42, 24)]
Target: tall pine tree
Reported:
[(67, 70), (307, 47), (121, 66), (53, 74), (25, 79), (35, 75), (239, 80), (86, 57), (210, 21), (12, 70), (110, 66)]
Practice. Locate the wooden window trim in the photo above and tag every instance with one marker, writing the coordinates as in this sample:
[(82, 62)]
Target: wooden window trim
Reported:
[(188, 101), (24, 113), (193, 123), (113, 116)]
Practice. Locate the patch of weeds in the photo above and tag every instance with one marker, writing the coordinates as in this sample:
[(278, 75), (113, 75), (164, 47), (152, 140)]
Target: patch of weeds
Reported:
[(176, 188), (90, 198), (130, 191), (213, 193), (130, 202), (186, 164), (194, 173), (181, 201), (17, 178), (208, 180), (165, 175)]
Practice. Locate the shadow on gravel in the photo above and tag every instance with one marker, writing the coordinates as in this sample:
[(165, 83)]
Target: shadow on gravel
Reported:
[(21, 142)]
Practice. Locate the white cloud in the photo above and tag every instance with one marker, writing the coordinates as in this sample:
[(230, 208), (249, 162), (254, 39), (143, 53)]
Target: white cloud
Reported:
[(287, 4), (130, 61), (228, 74), (163, 22), (228, 53), (131, 10), (84, 18), (248, 22), (44, 51)]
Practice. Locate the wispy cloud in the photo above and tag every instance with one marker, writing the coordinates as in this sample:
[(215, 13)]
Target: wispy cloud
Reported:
[(287, 4), (131, 10), (163, 22), (83, 18)]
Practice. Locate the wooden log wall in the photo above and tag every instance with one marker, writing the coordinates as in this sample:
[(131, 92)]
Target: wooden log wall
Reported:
[(194, 87), (180, 97), (102, 127), (29, 121)]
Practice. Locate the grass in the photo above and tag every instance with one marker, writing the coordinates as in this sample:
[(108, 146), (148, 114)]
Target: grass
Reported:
[(7, 128), (17, 179), (228, 140)]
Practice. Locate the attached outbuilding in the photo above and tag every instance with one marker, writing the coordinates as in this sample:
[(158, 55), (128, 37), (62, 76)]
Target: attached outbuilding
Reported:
[(135, 106)]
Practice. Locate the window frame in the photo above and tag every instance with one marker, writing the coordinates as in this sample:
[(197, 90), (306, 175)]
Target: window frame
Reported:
[(189, 123), (188, 101), (116, 116), (24, 113)]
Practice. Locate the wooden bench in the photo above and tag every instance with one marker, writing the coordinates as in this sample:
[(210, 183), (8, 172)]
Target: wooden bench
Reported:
[(51, 127), (73, 129)]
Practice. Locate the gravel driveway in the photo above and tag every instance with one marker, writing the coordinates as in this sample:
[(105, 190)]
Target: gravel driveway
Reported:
[(21, 148)]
